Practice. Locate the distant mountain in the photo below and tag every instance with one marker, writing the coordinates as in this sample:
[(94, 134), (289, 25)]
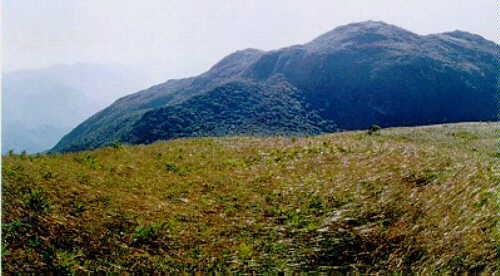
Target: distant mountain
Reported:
[(349, 78), (40, 106)]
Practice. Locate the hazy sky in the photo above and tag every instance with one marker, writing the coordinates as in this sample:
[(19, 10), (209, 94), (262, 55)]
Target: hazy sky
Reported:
[(185, 37)]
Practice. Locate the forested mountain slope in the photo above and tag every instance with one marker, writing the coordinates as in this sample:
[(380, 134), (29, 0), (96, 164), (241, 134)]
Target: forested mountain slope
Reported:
[(349, 78)]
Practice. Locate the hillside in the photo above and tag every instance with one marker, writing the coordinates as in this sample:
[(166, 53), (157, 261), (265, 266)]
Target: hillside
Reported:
[(349, 78), (404, 199)]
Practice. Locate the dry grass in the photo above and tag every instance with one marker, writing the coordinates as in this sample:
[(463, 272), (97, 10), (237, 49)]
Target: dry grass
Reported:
[(406, 199)]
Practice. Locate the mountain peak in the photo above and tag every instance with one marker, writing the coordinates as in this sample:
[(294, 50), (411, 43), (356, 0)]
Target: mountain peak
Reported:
[(364, 32), (367, 24), (467, 40), (465, 36)]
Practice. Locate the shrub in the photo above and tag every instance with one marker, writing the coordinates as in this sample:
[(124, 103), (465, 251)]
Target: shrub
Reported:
[(374, 129), (88, 160), (146, 234), (171, 167), (37, 201), (78, 207), (65, 262), (116, 144)]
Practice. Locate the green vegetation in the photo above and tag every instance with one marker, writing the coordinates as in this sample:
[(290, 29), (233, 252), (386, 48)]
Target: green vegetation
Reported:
[(407, 199), (373, 129), (236, 108)]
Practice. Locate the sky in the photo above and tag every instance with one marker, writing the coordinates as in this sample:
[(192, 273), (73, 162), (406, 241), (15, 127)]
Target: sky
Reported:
[(182, 38)]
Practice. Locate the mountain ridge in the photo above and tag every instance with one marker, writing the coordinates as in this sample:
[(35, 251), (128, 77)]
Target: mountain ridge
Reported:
[(353, 76)]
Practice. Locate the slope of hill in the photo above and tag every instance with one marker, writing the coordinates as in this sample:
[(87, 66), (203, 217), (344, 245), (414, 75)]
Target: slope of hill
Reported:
[(350, 78), (406, 199), (39, 106)]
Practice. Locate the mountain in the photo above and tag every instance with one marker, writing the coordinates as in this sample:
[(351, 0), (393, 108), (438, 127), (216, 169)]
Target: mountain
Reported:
[(40, 106), (349, 78)]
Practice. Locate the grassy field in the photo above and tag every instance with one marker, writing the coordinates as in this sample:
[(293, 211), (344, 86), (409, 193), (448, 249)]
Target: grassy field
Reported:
[(405, 199)]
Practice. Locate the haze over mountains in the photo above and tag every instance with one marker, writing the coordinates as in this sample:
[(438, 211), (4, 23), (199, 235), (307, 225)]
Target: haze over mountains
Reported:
[(349, 78), (41, 105)]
